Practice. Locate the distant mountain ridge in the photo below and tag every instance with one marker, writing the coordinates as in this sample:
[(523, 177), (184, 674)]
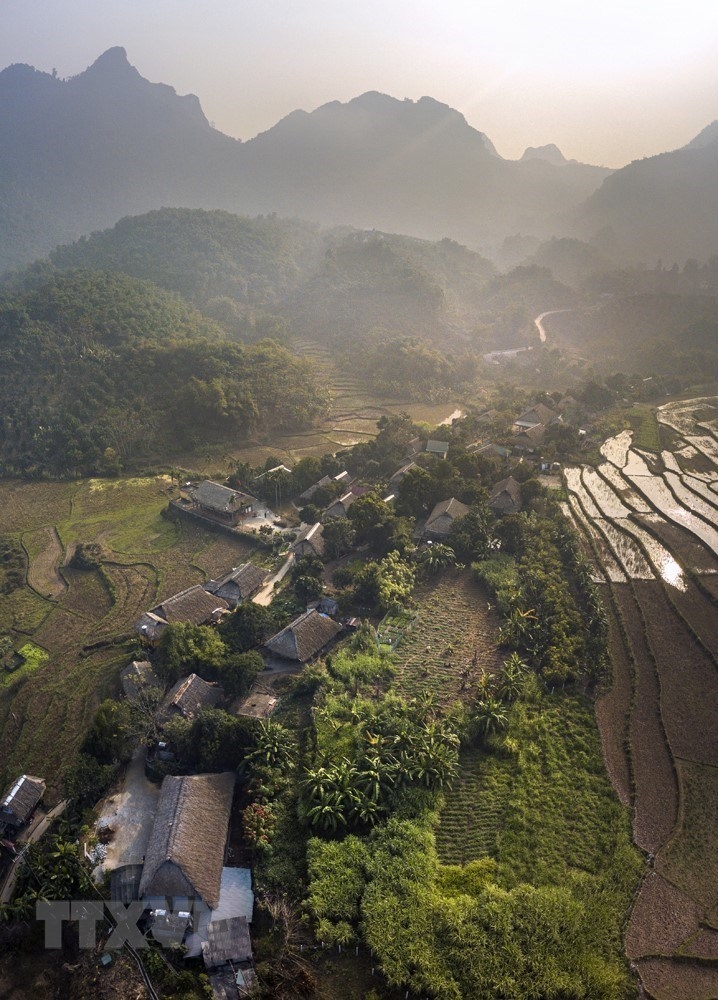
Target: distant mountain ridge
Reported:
[(77, 155)]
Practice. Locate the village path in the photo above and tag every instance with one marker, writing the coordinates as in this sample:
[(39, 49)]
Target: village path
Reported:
[(33, 834), (129, 813), (264, 596)]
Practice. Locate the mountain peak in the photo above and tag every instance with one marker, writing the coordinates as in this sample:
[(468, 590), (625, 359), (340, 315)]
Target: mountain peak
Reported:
[(706, 137), (550, 153), (111, 65)]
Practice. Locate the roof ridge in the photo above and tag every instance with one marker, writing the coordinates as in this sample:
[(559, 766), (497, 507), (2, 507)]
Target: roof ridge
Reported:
[(179, 799)]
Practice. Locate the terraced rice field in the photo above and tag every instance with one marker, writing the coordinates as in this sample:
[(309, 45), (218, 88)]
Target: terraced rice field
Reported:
[(82, 619), (659, 720)]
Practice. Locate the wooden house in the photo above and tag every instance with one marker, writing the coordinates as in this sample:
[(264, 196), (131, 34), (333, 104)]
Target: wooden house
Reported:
[(186, 850), (438, 523), (304, 637), (506, 497), (238, 585), (309, 542), (220, 503), (188, 696), (193, 606), (20, 800)]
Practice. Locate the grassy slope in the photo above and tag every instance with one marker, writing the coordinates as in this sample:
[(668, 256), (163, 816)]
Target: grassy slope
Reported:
[(44, 711)]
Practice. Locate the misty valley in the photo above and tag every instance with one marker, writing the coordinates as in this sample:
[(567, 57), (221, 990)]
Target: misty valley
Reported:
[(358, 554)]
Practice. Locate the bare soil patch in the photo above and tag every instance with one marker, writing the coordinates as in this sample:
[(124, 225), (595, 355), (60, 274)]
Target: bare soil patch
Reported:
[(613, 709), (688, 678), (665, 979), (656, 789), (662, 918)]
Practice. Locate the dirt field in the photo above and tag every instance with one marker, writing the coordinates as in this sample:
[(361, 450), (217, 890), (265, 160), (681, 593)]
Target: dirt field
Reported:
[(667, 635)]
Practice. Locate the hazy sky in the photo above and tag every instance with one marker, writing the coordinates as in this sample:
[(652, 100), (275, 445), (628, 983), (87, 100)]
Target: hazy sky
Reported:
[(607, 80)]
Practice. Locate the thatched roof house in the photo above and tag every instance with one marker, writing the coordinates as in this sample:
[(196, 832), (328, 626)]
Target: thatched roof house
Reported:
[(311, 490), (189, 695), (238, 585), (303, 638), (340, 507), (538, 414), (222, 503), (194, 606), (506, 497), (18, 802), (185, 853), (529, 439), (309, 541), (401, 472), (439, 522)]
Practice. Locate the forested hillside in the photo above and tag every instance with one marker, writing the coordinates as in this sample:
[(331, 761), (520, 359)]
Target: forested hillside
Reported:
[(100, 371)]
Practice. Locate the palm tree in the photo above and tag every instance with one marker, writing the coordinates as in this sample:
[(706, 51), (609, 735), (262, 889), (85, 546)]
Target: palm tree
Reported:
[(511, 678), (437, 557), (490, 717)]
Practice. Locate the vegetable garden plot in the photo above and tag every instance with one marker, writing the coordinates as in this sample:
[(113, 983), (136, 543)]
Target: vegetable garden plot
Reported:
[(453, 640), (596, 573), (622, 488)]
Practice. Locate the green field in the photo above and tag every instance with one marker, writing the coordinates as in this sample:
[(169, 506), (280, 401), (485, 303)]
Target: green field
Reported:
[(47, 704)]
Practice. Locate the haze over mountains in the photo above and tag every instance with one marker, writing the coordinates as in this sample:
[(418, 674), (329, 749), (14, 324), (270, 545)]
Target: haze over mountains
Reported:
[(77, 155)]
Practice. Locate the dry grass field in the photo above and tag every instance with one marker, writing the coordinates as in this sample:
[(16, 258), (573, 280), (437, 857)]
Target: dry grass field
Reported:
[(45, 709)]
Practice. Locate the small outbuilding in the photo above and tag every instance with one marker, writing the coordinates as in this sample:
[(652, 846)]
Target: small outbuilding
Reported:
[(189, 696), (506, 497), (438, 448), (20, 800), (239, 585)]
